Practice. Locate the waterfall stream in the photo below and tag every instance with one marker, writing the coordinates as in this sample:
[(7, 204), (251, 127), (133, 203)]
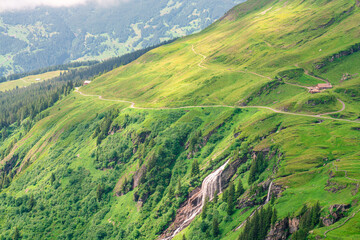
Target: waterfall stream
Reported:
[(210, 185), (252, 214)]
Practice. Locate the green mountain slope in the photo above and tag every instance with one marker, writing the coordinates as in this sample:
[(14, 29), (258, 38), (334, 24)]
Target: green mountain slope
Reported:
[(44, 36), (120, 157)]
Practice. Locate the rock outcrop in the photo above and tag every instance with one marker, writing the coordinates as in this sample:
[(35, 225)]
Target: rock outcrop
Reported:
[(351, 50), (336, 213), (282, 229)]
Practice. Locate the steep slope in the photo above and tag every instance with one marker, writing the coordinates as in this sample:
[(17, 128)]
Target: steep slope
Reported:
[(243, 54), (125, 156)]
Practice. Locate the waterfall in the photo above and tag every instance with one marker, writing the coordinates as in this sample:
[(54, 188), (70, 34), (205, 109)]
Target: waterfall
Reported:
[(252, 214), (269, 192), (209, 186), (212, 183)]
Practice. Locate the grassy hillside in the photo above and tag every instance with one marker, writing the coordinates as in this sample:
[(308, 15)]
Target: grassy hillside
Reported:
[(26, 81), (243, 53), (116, 159)]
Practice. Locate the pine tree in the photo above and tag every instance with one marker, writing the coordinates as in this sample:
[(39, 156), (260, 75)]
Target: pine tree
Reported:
[(31, 202), (195, 169), (303, 210), (204, 210), (273, 217), (16, 234), (216, 197), (225, 196), (230, 200), (240, 189), (178, 188), (171, 192), (252, 173), (52, 178), (273, 198), (215, 227), (99, 192)]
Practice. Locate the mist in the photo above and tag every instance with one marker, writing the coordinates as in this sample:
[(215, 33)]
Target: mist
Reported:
[(16, 5)]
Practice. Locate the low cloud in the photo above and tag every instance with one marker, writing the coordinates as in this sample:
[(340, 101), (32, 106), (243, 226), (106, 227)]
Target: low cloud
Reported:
[(13, 5)]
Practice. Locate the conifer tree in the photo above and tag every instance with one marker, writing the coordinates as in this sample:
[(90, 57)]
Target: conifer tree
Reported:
[(215, 227), (195, 169), (52, 178), (225, 196), (178, 188), (31, 202), (252, 173), (231, 199), (99, 192), (16, 234), (171, 192), (273, 217), (204, 210), (240, 189), (216, 197)]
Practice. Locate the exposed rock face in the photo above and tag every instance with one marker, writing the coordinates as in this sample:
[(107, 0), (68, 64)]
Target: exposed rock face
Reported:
[(283, 229), (280, 231), (334, 187), (276, 190), (229, 171), (294, 224), (336, 213), (138, 175), (345, 76)]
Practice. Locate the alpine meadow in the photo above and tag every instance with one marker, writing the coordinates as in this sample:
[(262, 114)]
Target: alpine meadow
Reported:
[(246, 130)]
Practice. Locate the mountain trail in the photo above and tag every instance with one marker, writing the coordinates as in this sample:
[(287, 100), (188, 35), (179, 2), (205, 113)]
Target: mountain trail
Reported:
[(216, 106), (307, 73), (350, 217), (202, 60)]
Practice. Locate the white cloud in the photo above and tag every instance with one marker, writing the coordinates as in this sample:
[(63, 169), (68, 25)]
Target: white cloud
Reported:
[(12, 5)]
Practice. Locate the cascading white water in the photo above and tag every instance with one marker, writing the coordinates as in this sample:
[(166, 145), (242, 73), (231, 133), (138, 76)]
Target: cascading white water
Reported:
[(210, 185), (269, 192)]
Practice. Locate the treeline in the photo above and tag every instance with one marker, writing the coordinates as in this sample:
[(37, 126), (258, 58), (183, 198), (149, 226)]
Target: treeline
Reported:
[(92, 68), (258, 166), (66, 66), (309, 219), (21, 103), (259, 225), (18, 104)]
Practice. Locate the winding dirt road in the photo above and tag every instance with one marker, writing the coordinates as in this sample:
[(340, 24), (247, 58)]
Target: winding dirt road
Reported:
[(214, 106), (293, 84), (307, 73), (132, 104), (342, 109)]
